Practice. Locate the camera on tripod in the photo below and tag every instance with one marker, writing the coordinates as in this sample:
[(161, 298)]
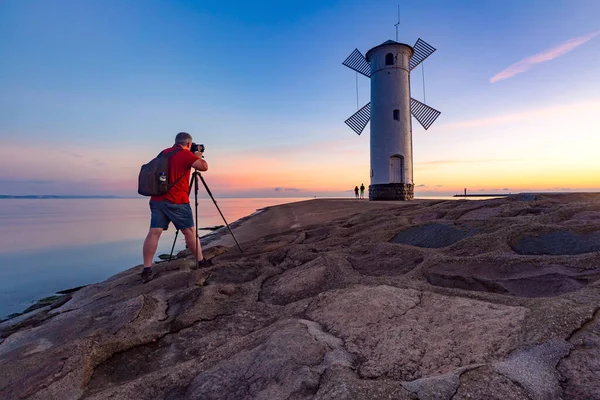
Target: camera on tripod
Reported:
[(197, 147)]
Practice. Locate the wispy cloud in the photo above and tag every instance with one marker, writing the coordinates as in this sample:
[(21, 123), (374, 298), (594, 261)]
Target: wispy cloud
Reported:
[(547, 55), (76, 155)]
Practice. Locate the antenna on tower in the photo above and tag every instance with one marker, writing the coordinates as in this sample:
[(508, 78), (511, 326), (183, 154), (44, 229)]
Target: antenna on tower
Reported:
[(397, 23)]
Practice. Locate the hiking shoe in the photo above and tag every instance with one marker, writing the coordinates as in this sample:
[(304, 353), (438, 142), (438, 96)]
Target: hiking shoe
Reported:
[(147, 276), (202, 264)]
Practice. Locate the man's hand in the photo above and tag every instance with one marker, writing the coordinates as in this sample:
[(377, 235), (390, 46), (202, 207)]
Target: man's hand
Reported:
[(199, 154)]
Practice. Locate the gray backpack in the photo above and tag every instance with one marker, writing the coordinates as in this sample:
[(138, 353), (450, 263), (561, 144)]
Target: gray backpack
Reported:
[(154, 176)]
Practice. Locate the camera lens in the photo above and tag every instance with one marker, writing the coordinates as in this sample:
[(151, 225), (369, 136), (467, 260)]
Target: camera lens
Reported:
[(197, 147)]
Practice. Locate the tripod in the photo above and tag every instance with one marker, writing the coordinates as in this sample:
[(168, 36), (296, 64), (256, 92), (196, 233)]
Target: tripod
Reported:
[(194, 178)]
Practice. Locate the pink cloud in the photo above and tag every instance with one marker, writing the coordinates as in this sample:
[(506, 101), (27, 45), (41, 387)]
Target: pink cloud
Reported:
[(544, 56)]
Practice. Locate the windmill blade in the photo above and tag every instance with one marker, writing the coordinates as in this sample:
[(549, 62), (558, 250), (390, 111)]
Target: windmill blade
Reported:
[(359, 119), (359, 63), (422, 50), (423, 113)]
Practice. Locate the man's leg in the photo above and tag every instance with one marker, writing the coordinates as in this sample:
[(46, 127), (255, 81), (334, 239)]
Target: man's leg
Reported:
[(150, 245), (158, 222), (192, 241)]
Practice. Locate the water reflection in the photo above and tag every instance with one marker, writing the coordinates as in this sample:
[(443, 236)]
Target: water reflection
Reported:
[(53, 244)]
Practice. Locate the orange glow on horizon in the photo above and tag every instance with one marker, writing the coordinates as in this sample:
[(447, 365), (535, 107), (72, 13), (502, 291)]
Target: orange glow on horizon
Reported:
[(553, 148)]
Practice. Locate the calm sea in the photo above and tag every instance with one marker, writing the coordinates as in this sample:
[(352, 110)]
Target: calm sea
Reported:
[(47, 245)]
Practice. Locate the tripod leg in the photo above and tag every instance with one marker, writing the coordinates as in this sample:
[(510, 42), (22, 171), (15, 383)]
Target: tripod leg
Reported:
[(218, 209), (177, 231), (173, 247), (196, 237)]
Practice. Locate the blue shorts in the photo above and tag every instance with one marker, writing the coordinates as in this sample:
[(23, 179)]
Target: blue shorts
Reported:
[(164, 212)]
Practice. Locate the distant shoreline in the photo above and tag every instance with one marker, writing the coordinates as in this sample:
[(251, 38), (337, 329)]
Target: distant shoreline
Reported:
[(50, 196), (482, 195)]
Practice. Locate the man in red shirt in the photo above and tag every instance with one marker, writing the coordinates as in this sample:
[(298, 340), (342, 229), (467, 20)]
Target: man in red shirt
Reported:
[(174, 206)]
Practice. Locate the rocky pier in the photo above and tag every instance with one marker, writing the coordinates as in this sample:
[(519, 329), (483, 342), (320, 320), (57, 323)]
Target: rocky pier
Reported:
[(339, 299)]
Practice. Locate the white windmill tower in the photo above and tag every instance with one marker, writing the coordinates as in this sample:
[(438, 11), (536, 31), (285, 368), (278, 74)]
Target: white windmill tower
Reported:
[(388, 66)]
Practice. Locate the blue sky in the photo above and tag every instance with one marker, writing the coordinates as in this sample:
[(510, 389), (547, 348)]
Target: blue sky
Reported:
[(102, 86)]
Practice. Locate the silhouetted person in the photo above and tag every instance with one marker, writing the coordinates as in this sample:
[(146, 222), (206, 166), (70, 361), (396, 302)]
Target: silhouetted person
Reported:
[(356, 192), (362, 191)]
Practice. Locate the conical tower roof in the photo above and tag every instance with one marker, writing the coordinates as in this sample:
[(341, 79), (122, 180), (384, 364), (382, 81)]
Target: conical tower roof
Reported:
[(389, 43)]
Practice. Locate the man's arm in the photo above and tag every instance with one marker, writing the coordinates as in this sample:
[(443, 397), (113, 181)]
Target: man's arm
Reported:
[(200, 164)]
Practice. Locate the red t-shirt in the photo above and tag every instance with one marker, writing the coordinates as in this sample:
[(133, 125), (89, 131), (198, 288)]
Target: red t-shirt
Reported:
[(180, 163)]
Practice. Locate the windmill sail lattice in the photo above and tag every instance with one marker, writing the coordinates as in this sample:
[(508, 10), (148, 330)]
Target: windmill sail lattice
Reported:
[(360, 119), (421, 50), (423, 113), (359, 63)]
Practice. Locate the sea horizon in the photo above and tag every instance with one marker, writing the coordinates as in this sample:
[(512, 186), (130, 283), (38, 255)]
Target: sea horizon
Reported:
[(341, 195)]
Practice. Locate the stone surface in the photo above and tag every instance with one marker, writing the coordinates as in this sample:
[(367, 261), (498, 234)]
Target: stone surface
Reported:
[(581, 368), (339, 299), (417, 334), (534, 369), (558, 243), (518, 279), (433, 235), (484, 383)]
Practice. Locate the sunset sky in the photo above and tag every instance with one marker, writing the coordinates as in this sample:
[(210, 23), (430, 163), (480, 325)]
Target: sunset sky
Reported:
[(90, 90)]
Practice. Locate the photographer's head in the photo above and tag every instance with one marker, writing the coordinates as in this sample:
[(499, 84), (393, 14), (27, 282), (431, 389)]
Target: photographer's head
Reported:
[(184, 139)]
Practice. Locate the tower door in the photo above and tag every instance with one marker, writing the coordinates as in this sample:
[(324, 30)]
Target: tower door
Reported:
[(396, 169)]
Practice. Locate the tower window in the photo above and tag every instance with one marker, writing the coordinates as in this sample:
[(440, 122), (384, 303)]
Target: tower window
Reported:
[(397, 115), (389, 59)]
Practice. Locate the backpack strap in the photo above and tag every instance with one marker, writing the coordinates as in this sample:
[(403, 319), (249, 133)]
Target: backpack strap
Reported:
[(169, 155), (177, 180)]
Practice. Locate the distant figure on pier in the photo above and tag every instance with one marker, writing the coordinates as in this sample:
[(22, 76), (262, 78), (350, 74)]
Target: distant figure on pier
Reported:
[(465, 192), (362, 191), (356, 192)]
